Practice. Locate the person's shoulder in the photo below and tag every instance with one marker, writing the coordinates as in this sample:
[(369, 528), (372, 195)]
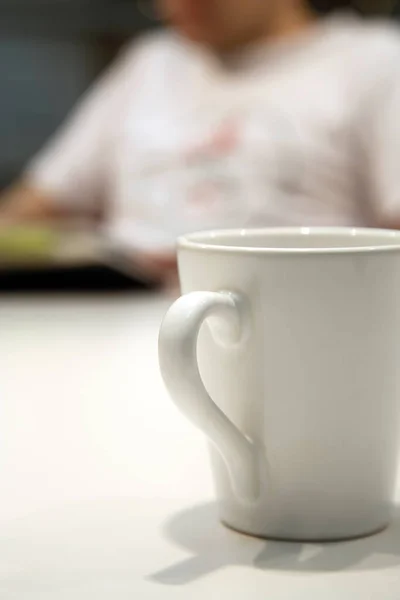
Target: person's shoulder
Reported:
[(368, 52), (155, 45), (377, 43), (145, 54)]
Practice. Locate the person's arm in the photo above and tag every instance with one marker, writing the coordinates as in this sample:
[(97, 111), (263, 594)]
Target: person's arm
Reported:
[(379, 133), (70, 174), (23, 203)]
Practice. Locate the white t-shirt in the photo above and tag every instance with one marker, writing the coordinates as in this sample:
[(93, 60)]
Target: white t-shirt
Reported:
[(304, 131)]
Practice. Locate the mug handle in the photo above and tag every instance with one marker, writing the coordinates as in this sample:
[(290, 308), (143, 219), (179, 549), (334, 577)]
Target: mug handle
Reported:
[(180, 371)]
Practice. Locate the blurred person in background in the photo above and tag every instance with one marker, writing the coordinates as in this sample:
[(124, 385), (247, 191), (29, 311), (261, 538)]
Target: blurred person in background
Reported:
[(240, 113)]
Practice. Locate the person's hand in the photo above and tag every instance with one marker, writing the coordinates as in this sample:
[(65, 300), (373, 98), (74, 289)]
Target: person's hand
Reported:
[(160, 268)]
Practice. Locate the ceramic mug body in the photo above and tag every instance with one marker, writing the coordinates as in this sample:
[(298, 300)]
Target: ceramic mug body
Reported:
[(284, 351)]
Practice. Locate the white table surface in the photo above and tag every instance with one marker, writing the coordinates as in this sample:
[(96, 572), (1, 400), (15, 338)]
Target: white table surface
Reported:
[(106, 491)]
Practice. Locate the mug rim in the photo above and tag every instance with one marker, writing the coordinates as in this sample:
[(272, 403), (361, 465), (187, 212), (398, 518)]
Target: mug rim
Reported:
[(387, 240)]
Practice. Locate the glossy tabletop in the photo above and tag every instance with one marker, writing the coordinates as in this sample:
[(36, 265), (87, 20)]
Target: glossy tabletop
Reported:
[(106, 489)]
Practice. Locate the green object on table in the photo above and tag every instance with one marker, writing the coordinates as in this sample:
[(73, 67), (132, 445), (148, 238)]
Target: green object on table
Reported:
[(27, 243)]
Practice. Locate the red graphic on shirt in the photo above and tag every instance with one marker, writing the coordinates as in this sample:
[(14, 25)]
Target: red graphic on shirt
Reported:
[(204, 195), (222, 142), (207, 191)]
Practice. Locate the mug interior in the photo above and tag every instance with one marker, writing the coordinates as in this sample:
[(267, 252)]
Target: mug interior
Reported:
[(303, 239)]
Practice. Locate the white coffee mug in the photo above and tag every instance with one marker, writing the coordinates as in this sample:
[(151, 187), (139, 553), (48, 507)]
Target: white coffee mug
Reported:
[(294, 375)]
